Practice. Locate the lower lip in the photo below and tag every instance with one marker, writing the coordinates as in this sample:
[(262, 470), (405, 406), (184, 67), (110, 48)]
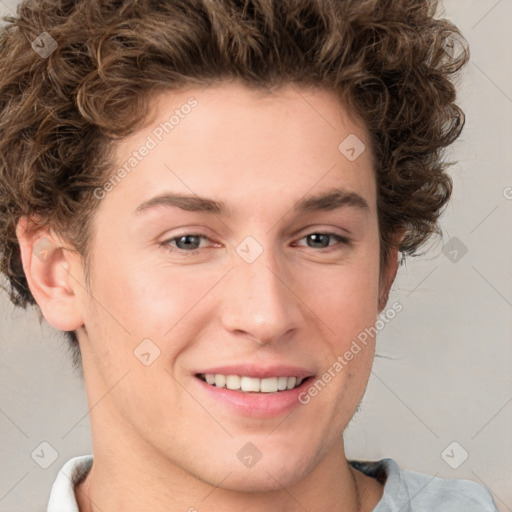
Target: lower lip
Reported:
[(261, 405)]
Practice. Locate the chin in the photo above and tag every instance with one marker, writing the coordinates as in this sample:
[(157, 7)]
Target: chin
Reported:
[(264, 478)]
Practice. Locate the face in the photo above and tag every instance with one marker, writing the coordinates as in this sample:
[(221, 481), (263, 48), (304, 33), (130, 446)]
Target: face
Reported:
[(213, 257)]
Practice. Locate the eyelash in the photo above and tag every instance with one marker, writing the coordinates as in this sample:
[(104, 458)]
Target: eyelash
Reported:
[(340, 240)]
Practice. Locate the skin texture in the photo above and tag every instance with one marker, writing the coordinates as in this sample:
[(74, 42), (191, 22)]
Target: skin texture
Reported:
[(160, 441)]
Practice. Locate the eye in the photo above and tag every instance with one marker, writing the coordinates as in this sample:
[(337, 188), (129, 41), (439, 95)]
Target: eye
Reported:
[(191, 242), (322, 240), (188, 243)]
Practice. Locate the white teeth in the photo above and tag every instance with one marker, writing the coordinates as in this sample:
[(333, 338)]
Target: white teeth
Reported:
[(291, 382), (252, 384), (220, 380), (269, 385), (282, 382), (249, 384), (233, 382)]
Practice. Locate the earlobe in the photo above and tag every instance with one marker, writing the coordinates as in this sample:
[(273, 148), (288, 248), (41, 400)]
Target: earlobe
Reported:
[(49, 267)]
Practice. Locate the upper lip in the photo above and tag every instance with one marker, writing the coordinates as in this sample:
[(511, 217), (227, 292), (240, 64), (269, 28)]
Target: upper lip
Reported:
[(260, 372)]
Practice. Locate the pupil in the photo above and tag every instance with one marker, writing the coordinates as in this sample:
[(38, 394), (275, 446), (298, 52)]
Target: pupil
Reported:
[(315, 238), (186, 240)]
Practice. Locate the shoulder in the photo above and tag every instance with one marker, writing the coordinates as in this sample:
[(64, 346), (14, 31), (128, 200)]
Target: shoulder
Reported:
[(408, 490), (452, 493)]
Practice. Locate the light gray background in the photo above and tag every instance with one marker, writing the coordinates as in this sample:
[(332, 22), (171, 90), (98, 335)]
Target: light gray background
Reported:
[(445, 374)]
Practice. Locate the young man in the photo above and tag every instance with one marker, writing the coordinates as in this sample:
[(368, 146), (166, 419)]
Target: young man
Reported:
[(210, 198)]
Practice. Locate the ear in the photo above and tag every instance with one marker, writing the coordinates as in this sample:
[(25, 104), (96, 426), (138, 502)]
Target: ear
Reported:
[(388, 273), (53, 274)]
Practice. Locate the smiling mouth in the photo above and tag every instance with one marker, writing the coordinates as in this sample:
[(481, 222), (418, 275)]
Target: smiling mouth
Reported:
[(247, 384)]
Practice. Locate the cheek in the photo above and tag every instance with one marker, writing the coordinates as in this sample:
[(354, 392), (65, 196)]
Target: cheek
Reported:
[(346, 298), (134, 300)]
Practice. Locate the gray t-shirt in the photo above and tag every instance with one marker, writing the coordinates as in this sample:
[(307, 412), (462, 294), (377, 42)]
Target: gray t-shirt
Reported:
[(404, 490), (409, 491)]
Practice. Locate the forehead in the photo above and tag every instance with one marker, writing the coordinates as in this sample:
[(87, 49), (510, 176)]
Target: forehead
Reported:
[(235, 144)]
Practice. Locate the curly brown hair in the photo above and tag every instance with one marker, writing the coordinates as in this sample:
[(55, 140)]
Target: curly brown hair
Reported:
[(391, 62)]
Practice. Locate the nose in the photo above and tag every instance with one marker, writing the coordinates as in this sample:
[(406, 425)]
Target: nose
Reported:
[(258, 300)]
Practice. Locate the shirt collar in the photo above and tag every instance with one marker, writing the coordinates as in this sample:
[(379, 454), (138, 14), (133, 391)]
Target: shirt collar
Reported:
[(62, 496)]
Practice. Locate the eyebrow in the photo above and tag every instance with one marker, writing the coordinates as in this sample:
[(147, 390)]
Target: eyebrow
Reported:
[(326, 201)]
